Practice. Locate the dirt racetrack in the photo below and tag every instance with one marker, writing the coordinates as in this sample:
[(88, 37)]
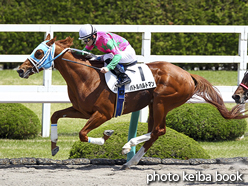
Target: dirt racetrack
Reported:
[(229, 173)]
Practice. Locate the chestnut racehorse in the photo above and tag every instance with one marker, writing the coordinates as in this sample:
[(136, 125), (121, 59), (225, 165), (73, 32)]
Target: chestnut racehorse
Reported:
[(91, 98)]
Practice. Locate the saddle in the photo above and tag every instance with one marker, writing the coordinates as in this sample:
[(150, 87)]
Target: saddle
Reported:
[(140, 75), (141, 79)]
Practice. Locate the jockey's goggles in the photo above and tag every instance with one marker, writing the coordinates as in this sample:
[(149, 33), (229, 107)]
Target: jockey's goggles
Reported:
[(86, 40)]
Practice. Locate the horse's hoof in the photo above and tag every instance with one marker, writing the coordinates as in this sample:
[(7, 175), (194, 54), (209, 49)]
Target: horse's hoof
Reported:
[(108, 132), (126, 150), (55, 151), (124, 167)]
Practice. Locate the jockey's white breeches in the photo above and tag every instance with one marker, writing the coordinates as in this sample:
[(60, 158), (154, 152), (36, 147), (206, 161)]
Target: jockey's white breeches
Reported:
[(128, 55)]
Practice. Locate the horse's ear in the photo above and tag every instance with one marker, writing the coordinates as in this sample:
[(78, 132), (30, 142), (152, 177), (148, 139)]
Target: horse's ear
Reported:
[(48, 37), (49, 43)]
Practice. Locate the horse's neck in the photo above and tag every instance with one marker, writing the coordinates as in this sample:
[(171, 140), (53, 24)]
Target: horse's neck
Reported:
[(74, 74)]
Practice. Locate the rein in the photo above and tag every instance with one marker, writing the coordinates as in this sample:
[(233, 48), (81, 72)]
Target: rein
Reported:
[(48, 59), (82, 64)]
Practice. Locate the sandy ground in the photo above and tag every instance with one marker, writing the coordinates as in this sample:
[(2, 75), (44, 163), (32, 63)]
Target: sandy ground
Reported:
[(100, 175)]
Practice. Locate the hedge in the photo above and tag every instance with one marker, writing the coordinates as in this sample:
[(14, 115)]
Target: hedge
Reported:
[(137, 12), (203, 122), (18, 122), (170, 145)]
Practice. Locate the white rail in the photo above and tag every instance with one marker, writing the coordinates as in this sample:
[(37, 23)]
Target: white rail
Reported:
[(48, 93)]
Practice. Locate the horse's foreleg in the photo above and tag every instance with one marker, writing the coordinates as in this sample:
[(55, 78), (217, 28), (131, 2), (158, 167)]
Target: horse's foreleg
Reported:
[(68, 112), (101, 141), (95, 121), (54, 138)]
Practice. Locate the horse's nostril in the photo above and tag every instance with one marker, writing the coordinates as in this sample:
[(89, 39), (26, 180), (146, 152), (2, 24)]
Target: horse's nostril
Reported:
[(236, 97), (20, 72)]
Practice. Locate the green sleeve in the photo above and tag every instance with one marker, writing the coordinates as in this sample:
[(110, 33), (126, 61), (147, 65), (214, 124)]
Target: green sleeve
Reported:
[(85, 49), (114, 62), (82, 53)]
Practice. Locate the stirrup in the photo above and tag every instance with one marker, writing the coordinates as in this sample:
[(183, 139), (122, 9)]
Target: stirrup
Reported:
[(120, 84)]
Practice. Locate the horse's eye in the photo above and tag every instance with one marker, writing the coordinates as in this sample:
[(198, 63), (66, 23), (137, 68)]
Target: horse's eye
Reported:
[(39, 54)]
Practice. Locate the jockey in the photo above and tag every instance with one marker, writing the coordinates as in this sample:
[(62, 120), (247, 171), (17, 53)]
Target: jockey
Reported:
[(117, 49)]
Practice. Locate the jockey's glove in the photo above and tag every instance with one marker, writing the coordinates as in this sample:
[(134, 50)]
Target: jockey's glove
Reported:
[(77, 52)]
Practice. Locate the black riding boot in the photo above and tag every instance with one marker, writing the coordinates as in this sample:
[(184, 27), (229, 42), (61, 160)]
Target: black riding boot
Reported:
[(122, 77)]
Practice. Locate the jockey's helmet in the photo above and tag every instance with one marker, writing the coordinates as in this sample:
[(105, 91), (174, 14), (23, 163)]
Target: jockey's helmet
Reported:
[(87, 31)]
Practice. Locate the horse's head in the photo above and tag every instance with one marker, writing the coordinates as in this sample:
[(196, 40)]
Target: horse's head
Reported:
[(41, 58), (241, 93)]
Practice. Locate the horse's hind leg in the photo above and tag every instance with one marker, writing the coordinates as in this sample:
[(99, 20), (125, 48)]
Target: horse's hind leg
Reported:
[(159, 114), (137, 140)]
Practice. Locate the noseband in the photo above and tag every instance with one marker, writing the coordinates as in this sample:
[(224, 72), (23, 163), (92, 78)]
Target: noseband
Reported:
[(244, 86), (47, 60)]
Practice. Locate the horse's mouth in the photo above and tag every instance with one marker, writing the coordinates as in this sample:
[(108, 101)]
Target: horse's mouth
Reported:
[(239, 99), (25, 74)]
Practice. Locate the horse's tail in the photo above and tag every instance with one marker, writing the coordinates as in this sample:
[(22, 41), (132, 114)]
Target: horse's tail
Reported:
[(210, 94)]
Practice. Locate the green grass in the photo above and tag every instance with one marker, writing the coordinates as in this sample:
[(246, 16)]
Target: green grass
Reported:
[(68, 128), (226, 149), (10, 77), (219, 78)]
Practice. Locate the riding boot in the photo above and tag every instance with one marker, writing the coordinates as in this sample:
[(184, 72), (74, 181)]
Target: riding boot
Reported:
[(123, 78)]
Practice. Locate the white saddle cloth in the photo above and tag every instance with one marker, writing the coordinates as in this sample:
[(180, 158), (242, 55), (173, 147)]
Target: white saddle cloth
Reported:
[(140, 75)]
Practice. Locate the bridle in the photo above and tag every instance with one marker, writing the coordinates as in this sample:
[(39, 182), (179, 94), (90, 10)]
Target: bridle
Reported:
[(47, 60), (244, 86)]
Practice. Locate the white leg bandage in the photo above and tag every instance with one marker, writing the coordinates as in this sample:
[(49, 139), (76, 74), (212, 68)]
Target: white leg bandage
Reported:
[(54, 133), (137, 140), (97, 141), (140, 139)]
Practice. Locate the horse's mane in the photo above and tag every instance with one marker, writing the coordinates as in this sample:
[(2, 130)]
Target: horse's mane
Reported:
[(89, 59), (68, 42), (65, 43)]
